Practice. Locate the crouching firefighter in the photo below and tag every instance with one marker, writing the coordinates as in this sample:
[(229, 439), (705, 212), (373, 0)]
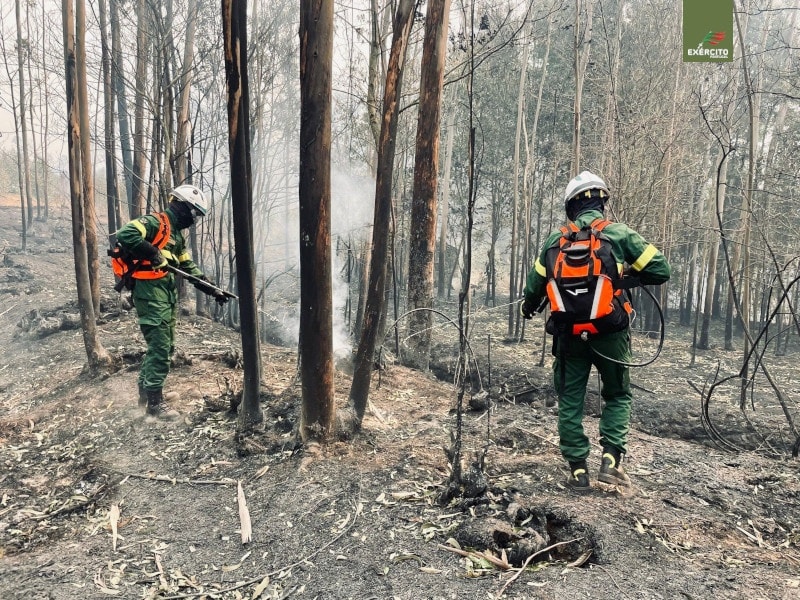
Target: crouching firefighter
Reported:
[(146, 248), (580, 271)]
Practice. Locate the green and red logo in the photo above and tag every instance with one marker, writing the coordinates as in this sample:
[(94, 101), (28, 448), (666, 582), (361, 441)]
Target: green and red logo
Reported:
[(708, 30), (713, 38), (707, 48)]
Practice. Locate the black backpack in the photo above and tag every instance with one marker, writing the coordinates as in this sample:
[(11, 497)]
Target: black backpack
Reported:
[(583, 283)]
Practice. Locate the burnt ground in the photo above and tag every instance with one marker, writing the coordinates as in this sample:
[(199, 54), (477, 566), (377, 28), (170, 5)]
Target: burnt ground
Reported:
[(97, 502)]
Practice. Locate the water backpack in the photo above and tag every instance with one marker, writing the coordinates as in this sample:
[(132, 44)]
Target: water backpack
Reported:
[(583, 283), (128, 269)]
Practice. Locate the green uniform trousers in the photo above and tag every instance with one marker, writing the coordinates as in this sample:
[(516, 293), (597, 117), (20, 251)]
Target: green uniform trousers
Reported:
[(157, 308), (577, 358)]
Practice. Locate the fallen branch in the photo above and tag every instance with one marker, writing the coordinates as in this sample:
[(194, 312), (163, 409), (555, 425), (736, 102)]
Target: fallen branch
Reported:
[(538, 435), (113, 519), (497, 562), (67, 509), (176, 480), (244, 516), (527, 562), (8, 309)]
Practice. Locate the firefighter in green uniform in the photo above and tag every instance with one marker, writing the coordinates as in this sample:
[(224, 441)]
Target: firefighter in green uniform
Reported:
[(585, 199), (155, 241)]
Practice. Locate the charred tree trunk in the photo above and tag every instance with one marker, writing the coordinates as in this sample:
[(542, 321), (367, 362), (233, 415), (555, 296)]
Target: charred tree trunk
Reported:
[(316, 295), (234, 23), (32, 117), (96, 354), (444, 213), (20, 181), (426, 173), (118, 83), (137, 197), (112, 196), (25, 165), (89, 212), (583, 39), (364, 360)]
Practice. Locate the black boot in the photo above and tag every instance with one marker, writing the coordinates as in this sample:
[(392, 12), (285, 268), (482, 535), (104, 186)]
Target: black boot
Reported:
[(578, 480), (157, 408), (611, 470), (142, 397)]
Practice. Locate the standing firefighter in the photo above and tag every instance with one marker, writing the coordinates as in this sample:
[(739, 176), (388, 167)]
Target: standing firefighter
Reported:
[(152, 243), (580, 272)]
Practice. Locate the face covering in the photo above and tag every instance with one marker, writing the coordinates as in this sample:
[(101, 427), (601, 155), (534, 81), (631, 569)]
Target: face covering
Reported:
[(581, 205), (183, 214)]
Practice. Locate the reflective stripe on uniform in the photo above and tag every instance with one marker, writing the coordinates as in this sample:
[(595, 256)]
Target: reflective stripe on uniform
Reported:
[(184, 257), (644, 258), (140, 227), (540, 268)]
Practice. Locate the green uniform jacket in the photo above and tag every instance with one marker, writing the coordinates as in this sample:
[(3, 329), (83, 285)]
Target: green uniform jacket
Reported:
[(574, 358), (645, 260), (156, 300), (130, 238)]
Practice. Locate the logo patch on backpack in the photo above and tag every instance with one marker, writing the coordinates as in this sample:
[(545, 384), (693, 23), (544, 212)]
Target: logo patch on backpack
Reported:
[(581, 276)]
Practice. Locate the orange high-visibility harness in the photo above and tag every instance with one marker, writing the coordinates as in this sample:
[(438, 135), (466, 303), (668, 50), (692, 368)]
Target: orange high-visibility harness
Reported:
[(143, 269)]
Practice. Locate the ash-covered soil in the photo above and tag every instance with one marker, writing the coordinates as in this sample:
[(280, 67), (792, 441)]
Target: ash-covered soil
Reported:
[(98, 502)]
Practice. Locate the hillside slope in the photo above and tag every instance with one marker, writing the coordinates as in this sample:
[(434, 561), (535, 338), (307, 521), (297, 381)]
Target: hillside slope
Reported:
[(360, 518)]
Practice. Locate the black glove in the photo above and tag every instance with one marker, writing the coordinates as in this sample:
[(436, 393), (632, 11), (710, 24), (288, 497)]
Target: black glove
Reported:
[(220, 297), (146, 251), (526, 309), (204, 285), (629, 280)]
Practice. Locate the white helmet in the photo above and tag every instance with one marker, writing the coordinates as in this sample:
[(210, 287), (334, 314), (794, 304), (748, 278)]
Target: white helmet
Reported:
[(584, 182), (191, 195)]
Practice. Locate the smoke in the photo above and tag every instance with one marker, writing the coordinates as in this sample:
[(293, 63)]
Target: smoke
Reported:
[(352, 203)]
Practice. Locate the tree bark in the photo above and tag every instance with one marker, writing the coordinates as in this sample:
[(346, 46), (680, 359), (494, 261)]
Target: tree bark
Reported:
[(96, 354), (32, 117), (137, 197), (583, 39), (184, 124), (45, 129), (25, 166), (234, 23), (20, 179), (422, 229), (364, 360), (316, 294), (112, 196), (87, 180), (118, 83), (716, 198), (444, 213), (375, 69), (512, 280)]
